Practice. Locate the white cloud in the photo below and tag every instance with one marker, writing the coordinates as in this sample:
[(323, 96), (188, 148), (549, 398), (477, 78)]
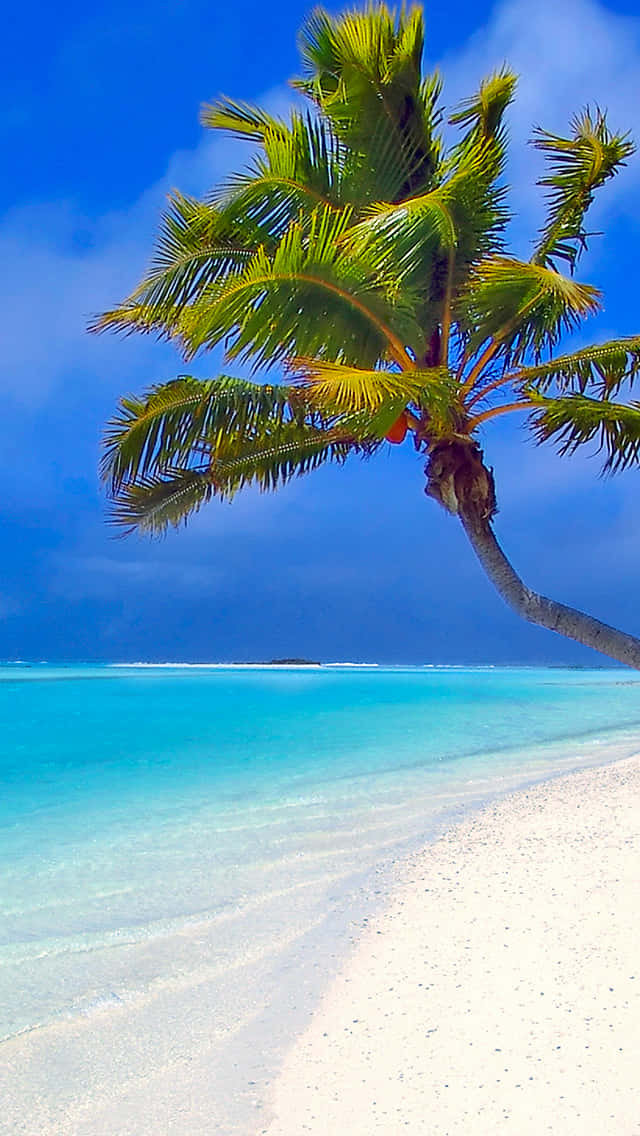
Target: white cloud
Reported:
[(60, 267), (568, 54)]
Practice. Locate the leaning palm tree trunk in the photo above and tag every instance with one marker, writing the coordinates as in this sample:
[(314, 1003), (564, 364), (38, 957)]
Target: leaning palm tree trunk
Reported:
[(539, 609), (459, 480)]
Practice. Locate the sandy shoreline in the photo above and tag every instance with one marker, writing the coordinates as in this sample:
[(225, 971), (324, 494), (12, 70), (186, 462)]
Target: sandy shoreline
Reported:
[(497, 991), (500, 991)]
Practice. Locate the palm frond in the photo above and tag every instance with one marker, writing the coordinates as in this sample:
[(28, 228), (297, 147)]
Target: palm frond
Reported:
[(375, 398), (576, 420), (603, 367), (364, 72), (522, 306), (406, 237), (339, 389), (197, 245), (290, 450), (169, 496), (482, 117), (241, 119), (578, 165), (475, 166), (483, 113), (154, 503), (463, 215), (299, 168), (180, 420), (133, 316), (310, 298)]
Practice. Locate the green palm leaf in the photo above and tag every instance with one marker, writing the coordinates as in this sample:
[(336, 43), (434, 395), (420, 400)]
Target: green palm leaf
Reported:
[(464, 214), (186, 418), (524, 306), (167, 497), (339, 389), (299, 168), (603, 367), (348, 311), (578, 165), (154, 503), (291, 449), (364, 71), (230, 431), (373, 399), (241, 119), (483, 113), (477, 163), (197, 245), (576, 420)]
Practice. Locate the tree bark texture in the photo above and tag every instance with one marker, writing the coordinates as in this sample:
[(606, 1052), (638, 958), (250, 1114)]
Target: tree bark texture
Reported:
[(459, 480)]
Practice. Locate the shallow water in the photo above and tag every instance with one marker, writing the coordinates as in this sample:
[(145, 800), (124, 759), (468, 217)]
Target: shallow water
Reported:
[(167, 829)]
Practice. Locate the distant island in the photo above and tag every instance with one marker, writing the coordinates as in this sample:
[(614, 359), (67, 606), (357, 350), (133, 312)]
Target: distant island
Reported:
[(293, 663)]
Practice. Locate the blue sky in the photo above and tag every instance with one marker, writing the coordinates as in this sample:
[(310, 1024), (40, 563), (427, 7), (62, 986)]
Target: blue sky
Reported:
[(98, 118)]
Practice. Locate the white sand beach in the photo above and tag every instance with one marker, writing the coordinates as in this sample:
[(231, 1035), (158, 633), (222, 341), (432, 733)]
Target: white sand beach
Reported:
[(500, 991), (497, 991)]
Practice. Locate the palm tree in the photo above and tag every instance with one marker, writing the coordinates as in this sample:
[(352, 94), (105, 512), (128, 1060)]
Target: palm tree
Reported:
[(367, 261)]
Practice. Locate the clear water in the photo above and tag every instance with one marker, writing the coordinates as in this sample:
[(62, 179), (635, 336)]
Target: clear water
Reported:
[(182, 830)]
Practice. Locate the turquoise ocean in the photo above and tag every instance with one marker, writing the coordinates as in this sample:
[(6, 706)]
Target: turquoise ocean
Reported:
[(218, 834)]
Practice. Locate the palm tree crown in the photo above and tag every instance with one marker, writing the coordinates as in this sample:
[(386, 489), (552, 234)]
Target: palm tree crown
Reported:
[(367, 260)]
